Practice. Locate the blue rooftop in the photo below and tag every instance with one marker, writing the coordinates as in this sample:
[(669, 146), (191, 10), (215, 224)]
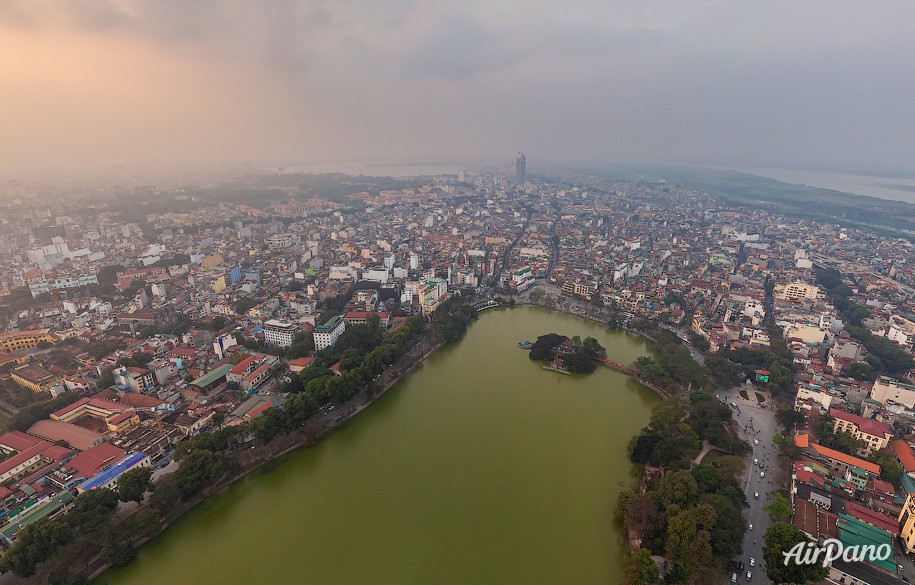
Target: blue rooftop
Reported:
[(112, 472)]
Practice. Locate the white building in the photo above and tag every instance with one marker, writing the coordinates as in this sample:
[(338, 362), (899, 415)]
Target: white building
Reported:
[(280, 333), (797, 291), (327, 334), (889, 389)]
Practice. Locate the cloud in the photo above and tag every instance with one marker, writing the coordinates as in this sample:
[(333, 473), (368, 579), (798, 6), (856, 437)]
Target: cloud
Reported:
[(812, 82)]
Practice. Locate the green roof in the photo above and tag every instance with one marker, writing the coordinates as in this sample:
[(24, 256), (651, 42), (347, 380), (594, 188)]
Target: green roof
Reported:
[(207, 379), (255, 401), (908, 484), (854, 532), (329, 325), (37, 513)]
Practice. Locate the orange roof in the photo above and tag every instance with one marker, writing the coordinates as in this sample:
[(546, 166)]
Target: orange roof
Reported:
[(846, 459), (802, 440), (904, 453)]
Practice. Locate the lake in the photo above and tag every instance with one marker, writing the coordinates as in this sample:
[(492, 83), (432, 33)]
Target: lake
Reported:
[(478, 467)]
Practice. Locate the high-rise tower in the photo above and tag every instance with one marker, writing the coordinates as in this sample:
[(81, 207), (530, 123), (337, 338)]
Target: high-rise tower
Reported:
[(520, 170)]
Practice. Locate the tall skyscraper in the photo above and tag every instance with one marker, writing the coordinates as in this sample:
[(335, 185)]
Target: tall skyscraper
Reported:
[(520, 170)]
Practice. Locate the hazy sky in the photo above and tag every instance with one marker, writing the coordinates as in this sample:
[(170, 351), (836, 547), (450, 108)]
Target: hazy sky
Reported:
[(96, 82)]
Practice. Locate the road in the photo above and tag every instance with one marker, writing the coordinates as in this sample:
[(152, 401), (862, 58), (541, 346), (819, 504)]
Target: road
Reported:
[(758, 423)]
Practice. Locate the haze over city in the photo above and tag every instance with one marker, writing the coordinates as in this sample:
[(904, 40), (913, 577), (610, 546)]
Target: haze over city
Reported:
[(90, 84)]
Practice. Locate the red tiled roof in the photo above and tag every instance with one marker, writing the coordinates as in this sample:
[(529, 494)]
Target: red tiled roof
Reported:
[(183, 352), (241, 366), (846, 459), (904, 454), (865, 425), (17, 440), (139, 400), (881, 521), (90, 462), (258, 410)]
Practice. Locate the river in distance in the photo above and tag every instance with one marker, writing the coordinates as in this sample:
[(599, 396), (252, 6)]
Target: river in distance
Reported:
[(478, 467), (882, 187)]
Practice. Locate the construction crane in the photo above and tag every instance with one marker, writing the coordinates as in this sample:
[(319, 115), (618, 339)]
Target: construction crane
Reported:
[(156, 410)]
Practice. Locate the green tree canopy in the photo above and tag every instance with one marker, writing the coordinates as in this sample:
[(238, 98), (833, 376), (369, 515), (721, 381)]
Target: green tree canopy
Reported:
[(133, 484)]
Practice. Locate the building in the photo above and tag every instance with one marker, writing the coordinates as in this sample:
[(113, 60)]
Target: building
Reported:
[(117, 417), (45, 284), (138, 379), (579, 288), (874, 434), (10, 342), (886, 389), (159, 317), (907, 524), (326, 335), (77, 437), (362, 318), (798, 291), (520, 168), (280, 333), (36, 379), (109, 478)]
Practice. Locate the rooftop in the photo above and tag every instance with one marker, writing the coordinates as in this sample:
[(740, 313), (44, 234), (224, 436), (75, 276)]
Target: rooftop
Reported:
[(115, 470), (210, 377)]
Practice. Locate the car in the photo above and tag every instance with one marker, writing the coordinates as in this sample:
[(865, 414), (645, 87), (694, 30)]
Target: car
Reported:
[(751, 527), (733, 577), (749, 575), (756, 441), (762, 474), (734, 404), (755, 461), (740, 566), (752, 562), (756, 495), (761, 466)]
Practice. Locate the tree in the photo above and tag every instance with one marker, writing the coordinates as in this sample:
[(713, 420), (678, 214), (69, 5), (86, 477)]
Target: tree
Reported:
[(860, 371), (890, 469), (780, 538), (640, 569), (198, 469), (166, 494), (274, 421), (244, 304), (780, 508), (678, 487), (119, 553), (788, 418), (133, 484), (142, 358), (34, 544)]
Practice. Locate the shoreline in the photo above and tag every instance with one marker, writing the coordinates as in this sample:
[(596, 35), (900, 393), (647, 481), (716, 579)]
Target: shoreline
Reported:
[(302, 440)]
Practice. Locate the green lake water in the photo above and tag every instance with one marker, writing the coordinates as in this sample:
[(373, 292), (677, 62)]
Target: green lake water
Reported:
[(479, 467)]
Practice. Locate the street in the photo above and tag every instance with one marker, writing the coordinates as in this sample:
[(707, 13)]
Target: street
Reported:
[(759, 424)]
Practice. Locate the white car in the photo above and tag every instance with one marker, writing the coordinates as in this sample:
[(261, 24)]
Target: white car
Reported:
[(756, 495), (756, 441), (762, 474), (755, 461), (752, 562), (749, 576), (751, 527)]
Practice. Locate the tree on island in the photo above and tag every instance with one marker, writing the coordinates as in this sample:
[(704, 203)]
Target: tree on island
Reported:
[(579, 360)]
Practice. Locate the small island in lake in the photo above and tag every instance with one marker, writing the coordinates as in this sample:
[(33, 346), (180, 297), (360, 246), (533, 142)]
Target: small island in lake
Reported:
[(564, 354)]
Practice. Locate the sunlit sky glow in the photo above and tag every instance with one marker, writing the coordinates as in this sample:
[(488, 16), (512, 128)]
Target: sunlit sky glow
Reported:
[(91, 83)]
